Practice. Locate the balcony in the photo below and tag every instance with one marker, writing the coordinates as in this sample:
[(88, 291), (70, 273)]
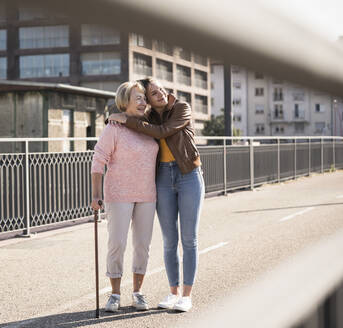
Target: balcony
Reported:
[(299, 116)]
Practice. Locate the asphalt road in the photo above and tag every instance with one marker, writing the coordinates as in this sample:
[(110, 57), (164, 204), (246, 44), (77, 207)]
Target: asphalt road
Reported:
[(48, 280)]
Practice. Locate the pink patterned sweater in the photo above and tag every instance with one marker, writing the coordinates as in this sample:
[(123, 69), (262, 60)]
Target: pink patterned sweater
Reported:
[(130, 158)]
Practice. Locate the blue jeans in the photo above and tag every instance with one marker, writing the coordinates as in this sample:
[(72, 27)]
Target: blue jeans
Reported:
[(179, 194)]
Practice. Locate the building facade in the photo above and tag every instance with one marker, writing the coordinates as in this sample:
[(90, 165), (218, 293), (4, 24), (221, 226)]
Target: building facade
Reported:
[(264, 106), (38, 46), (37, 110)]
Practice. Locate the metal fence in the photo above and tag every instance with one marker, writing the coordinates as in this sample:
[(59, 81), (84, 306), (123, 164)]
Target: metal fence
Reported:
[(38, 189)]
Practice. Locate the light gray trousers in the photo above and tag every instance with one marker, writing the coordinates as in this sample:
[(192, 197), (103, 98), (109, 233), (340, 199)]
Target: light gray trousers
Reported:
[(119, 216)]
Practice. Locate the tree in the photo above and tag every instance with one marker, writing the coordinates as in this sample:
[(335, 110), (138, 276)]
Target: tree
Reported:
[(216, 128)]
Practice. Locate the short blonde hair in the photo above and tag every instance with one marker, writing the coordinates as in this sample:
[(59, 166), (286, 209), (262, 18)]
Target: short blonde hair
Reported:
[(123, 94)]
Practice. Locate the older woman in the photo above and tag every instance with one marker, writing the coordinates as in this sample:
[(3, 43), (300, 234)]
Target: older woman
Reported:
[(129, 192), (179, 183)]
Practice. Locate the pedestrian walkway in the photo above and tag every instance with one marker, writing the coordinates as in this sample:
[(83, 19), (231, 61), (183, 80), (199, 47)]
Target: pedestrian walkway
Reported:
[(48, 280)]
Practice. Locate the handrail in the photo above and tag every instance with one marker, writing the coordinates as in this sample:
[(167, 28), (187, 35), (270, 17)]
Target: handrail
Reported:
[(197, 137)]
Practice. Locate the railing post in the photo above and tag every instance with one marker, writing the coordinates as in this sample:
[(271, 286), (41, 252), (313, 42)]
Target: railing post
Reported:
[(309, 156), (322, 155), (252, 178), (225, 173), (295, 158), (27, 183), (278, 159), (334, 153)]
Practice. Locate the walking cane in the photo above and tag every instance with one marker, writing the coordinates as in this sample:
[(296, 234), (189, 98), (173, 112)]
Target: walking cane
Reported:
[(96, 260)]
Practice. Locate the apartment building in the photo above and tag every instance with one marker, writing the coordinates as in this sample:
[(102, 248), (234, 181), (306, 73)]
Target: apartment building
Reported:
[(38, 46), (264, 106)]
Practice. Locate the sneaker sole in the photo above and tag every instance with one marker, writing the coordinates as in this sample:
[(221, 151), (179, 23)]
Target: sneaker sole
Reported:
[(141, 308), (176, 308), (162, 306)]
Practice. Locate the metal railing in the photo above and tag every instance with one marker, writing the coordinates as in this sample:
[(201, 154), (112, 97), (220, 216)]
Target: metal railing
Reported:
[(45, 188)]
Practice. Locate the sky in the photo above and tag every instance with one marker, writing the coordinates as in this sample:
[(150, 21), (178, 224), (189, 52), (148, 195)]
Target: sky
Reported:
[(324, 17)]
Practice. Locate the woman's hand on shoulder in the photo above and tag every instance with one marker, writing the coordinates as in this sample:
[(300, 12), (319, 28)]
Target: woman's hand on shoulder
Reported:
[(117, 118)]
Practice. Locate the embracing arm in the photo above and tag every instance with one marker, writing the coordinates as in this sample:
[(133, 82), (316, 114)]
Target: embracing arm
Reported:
[(178, 120)]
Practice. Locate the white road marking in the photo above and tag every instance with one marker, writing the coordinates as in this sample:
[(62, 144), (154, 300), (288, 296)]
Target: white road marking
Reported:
[(289, 217), (208, 249), (91, 296)]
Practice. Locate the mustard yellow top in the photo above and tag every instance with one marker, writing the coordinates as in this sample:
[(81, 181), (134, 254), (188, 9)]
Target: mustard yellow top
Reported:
[(166, 155)]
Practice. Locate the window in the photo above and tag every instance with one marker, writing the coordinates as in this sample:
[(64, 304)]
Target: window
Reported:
[(3, 39), (43, 37), (141, 41), (142, 64), (212, 101), (183, 74), (200, 60), (319, 108), (278, 94), (299, 127), (237, 84), (236, 101), (259, 128), (201, 104), (279, 129), (237, 118), (3, 67), (184, 96), (259, 76), (164, 47), (259, 91), (319, 127), (259, 109), (92, 35), (164, 70), (44, 66), (278, 111), (100, 63), (200, 79), (298, 112)]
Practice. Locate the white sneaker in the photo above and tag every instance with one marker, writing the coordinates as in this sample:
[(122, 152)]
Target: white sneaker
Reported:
[(139, 302), (113, 303), (184, 304), (168, 302)]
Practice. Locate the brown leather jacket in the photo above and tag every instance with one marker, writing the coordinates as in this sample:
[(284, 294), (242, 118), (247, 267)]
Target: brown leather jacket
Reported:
[(176, 127)]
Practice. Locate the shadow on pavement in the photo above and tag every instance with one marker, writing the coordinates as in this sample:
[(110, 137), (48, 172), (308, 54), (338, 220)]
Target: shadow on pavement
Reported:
[(86, 318)]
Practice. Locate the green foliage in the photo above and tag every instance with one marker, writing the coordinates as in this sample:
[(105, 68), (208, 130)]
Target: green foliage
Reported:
[(216, 126)]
